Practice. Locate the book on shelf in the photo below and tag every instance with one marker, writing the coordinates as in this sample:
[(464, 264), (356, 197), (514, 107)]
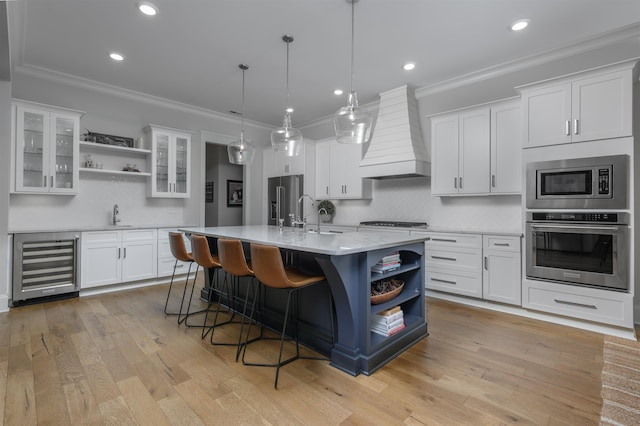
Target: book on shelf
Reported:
[(390, 332), (385, 268), (392, 257), (390, 311), (386, 327), (386, 319)]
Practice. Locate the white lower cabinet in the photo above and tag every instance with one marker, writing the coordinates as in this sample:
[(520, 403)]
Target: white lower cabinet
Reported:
[(474, 265), (112, 257), (166, 261), (501, 269)]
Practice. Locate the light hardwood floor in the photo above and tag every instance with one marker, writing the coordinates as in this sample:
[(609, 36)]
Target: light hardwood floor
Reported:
[(116, 359)]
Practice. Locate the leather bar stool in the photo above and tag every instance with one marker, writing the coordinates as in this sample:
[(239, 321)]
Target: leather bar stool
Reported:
[(203, 257), (269, 269), (234, 263), (179, 252)]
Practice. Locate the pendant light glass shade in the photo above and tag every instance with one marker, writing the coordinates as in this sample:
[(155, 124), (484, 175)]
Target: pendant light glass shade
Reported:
[(241, 151), (287, 138), (352, 124)]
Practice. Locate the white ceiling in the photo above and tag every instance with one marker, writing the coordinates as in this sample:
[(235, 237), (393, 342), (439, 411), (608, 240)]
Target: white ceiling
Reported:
[(190, 51)]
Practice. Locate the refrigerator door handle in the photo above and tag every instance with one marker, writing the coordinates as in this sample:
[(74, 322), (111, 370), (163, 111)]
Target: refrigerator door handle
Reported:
[(279, 190)]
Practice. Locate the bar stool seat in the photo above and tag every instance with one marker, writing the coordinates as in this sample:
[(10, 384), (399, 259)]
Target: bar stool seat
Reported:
[(269, 269), (203, 257), (180, 253), (234, 263)]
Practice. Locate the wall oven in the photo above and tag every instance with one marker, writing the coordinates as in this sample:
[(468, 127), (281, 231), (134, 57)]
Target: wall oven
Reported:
[(579, 248), (583, 183)]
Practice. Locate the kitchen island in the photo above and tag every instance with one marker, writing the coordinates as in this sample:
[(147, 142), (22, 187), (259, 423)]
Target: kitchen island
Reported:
[(346, 260)]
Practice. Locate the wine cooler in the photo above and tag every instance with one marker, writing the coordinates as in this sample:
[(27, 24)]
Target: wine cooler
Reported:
[(45, 267)]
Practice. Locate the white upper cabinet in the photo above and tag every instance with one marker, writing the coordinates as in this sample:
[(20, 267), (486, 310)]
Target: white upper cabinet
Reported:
[(460, 149), (593, 105), (506, 148), (338, 173), (46, 149), (170, 162), (277, 163)]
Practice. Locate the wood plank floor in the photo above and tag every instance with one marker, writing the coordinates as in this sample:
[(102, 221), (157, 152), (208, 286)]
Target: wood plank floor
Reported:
[(116, 359)]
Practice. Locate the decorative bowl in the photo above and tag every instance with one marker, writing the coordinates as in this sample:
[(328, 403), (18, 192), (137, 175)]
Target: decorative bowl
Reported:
[(396, 285)]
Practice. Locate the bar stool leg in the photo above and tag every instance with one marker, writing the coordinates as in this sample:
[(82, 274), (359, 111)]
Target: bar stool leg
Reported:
[(186, 284)]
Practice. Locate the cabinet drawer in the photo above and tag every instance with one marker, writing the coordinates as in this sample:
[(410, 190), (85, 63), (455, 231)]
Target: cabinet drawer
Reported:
[(469, 260), (501, 243), (101, 237), (456, 240), (454, 282), (612, 309), (139, 235), (165, 267)]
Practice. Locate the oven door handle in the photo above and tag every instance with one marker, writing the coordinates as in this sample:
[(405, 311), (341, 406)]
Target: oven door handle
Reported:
[(574, 227)]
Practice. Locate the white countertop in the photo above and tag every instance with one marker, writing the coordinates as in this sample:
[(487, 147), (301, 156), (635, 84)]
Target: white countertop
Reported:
[(89, 228), (297, 239)]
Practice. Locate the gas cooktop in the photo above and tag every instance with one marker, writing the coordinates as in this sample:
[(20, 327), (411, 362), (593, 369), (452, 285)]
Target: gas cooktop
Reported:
[(394, 224)]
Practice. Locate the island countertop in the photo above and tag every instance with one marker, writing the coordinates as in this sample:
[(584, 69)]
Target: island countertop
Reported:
[(297, 239)]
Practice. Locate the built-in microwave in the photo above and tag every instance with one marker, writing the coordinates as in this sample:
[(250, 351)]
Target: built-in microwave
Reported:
[(583, 183)]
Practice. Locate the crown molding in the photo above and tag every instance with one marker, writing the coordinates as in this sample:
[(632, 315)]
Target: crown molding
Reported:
[(83, 83), (569, 49)]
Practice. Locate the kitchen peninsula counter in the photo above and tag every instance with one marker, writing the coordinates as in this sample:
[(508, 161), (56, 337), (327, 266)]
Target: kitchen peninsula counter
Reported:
[(346, 260)]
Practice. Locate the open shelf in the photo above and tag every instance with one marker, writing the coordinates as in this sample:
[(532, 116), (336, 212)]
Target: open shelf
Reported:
[(114, 148), (114, 172)]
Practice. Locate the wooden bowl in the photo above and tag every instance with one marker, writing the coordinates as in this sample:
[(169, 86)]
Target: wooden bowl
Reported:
[(384, 297)]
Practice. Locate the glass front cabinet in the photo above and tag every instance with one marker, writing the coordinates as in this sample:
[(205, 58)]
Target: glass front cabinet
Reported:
[(170, 162), (46, 143)]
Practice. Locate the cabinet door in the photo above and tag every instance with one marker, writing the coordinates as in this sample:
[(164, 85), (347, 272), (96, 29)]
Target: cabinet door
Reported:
[(269, 163), (506, 148), (474, 156), (64, 153), (602, 107), (323, 170), (101, 264), (160, 160), (139, 260), (444, 150), (546, 115), (181, 165), (501, 277), (286, 165), (345, 168), (32, 150)]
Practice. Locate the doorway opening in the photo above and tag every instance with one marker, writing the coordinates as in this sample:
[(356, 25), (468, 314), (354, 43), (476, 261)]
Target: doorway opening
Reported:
[(224, 188)]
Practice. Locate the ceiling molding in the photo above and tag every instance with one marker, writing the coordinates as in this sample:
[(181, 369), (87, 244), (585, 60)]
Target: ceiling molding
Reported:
[(572, 49), (74, 81)]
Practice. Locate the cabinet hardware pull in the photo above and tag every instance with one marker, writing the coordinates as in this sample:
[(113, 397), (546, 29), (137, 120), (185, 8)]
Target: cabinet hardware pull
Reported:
[(44, 181), (582, 305), (327, 190), (486, 263), (444, 240), (493, 181), (444, 258), (180, 266), (501, 244), (51, 181), (444, 281), (118, 253), (567, 128), (575, 127), (455, 183), (460, 182)]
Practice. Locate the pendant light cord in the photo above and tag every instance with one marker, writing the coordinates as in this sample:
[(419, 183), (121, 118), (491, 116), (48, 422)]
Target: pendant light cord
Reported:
[(287, 39), (353, 3), (243, 67)]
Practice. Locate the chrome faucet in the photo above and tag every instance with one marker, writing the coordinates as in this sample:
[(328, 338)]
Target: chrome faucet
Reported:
[(116, 214), (302, 221), (319, 213)]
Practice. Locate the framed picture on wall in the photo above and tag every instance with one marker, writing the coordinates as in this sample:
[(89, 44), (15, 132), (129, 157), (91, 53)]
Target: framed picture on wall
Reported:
[(234, 193), (208, 192)]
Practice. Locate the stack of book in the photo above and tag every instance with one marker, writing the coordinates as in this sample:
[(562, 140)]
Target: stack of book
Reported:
[(387, 322), (387, 263)]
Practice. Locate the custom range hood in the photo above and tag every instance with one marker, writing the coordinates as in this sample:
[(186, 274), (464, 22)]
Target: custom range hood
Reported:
[(396, 148)]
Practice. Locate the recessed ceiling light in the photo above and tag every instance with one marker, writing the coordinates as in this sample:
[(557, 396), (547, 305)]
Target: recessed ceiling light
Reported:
[(338, 92), (289, 110), (408, 66), (147, 8), (520, 25), (116, 56)]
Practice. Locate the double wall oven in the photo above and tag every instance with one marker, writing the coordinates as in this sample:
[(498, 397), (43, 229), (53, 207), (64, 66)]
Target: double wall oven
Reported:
[(577, 231)]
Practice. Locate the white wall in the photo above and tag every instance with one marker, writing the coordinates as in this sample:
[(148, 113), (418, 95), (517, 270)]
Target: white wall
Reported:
[(125, 114)]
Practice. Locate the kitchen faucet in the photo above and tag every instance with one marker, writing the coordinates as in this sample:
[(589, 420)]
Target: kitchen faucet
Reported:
[(116, 214), (299, 220)]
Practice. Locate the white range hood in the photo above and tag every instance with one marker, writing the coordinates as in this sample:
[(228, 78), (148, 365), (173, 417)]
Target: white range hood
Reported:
[(396, 148)]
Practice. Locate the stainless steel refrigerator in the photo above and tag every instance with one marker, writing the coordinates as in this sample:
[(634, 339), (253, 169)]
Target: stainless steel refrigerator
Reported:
[(284, 192)]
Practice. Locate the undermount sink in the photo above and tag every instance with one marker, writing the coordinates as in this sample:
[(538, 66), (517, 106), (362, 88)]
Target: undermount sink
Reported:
[(321, 232), (119, 226)]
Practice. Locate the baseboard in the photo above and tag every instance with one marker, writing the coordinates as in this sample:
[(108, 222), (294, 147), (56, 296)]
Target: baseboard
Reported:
[(624, 333), (4, 303), (130, 285)]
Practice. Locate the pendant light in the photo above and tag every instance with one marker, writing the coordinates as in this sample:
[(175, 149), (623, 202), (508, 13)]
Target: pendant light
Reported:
[(241, 151), (287, 138), (352, 123)]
